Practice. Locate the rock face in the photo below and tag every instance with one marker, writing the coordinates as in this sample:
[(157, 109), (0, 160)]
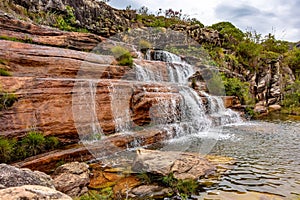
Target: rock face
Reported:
[(32, 192), (13, 177), (43, 35), (95, 16), (181, 164), (72, 178)]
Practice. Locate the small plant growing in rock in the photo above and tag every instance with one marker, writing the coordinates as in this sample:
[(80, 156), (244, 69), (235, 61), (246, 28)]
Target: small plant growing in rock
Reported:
[(51, 142), (6, 149), (144, 46), (4, 72), (34, 143), (122, 55), (7, 100)]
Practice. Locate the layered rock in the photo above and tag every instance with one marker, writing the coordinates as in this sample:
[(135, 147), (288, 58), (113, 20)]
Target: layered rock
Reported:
[(103, 148), (43, 35)]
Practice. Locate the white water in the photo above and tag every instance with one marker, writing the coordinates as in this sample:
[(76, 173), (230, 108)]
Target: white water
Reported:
[(178, 70), (187, 116), (184, 113), (85, 114)]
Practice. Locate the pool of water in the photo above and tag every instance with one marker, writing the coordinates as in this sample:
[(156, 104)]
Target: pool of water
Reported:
[(267, 155)]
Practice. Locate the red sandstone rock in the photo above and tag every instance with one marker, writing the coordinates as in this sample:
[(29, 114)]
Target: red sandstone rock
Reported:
[(21, 30)]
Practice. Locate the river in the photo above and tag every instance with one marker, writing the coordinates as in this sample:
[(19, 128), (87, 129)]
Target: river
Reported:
[(267, 155)]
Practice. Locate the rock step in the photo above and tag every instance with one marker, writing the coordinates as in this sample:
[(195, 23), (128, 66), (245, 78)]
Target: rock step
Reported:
[(43, 35), (106, 147)]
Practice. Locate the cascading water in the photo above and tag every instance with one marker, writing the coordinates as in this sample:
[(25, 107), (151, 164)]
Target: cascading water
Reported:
[(186, 115), (84, 102)]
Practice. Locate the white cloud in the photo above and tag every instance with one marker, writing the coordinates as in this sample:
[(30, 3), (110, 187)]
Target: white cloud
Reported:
[(262, 16)]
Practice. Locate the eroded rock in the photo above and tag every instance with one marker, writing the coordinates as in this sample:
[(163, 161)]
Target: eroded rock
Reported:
[(72, 178)]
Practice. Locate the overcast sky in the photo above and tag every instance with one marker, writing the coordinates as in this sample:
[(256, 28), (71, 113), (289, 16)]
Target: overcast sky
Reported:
[(279, 17)]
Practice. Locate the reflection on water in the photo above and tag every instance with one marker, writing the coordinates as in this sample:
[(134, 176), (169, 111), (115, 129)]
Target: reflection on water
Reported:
[(267, 157)]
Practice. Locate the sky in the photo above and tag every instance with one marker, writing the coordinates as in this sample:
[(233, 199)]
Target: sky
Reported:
[(279, 17)]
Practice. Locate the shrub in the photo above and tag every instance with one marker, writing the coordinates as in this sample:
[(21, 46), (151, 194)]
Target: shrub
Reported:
[(6, 149), (34, 143), (235, 87), (7, 100), (4, 72), (122, 55), (51, 142), (144, 45), (292, 59), (292, 97)]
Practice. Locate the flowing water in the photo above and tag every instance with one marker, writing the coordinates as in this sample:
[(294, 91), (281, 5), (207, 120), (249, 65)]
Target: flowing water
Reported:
[(267, 158)]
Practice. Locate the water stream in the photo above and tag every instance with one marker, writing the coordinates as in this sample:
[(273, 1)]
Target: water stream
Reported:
[(267, 158)]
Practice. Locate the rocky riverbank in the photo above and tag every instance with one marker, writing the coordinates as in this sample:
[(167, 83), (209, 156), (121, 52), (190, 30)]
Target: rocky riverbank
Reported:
[(73, 86)]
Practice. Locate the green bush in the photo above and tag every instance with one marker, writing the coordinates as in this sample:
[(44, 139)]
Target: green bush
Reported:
[(7, 100), (292, 97), (122, 55), (34, 143), (235, 87), (292, 59), (4, 72), (6, 149), (144, 45), (51, 142)]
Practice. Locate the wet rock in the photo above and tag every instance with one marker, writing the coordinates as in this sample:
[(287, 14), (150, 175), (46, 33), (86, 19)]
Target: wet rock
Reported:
[(150, 191), (32, 192), (11, 176), (72, 178), (183, 165)]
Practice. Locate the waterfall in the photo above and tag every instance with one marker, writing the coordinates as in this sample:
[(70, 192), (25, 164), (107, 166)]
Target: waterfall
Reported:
[(178, 109), (189, 115), (120, 98), (84, 107), (178, 70)]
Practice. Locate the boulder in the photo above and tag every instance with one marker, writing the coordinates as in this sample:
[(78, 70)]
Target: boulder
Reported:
[(260, 109), (183, 165), (274, 108), (72, 178), (11, 176), (152, 191), (32, 192)]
